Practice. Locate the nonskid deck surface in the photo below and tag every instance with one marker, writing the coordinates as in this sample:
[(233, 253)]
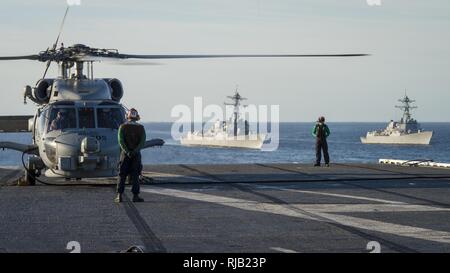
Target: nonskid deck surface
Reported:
[(235, 208)]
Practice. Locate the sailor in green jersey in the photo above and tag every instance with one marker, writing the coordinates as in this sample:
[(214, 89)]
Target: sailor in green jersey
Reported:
[(321, 131), (131, 138)]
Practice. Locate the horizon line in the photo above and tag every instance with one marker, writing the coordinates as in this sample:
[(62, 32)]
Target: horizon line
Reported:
[(428, 121)]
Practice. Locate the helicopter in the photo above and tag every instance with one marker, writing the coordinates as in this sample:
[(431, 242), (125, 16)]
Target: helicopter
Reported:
[(74, 129)]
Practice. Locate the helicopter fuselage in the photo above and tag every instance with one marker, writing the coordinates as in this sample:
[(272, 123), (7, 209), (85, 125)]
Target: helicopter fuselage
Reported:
[(75, 127), (76, 131)]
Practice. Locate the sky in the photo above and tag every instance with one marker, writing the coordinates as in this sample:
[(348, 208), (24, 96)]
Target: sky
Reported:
[(409, 43)]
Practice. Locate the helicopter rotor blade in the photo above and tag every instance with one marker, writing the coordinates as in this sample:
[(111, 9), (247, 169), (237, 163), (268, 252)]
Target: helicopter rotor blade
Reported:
[(46, 68), (26, 57), (102, 57), (61, 28), (132, 56), (113, 60), (38, 57), (56, 42), (126, 63)]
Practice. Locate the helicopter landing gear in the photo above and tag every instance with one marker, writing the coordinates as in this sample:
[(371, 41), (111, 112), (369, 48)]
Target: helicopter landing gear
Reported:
[(29, 177), (32, 170)]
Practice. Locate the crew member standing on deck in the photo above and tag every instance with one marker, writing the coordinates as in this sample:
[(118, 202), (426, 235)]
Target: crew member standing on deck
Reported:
[(131, 140), (321, 131)]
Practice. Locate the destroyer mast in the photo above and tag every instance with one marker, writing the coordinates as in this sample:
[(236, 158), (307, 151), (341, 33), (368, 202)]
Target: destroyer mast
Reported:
[(406, 107), (237, 98)]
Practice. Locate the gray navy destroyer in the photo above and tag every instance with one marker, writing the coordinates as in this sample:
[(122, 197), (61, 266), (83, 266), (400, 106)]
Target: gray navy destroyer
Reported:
[(234, 133), (406, 131)]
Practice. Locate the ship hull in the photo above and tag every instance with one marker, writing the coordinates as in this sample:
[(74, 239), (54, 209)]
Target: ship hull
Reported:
[(422, 138), (232, 142)]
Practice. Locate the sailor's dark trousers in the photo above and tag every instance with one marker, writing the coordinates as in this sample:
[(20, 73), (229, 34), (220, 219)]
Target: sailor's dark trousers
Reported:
[(322, 145), (129, 166)]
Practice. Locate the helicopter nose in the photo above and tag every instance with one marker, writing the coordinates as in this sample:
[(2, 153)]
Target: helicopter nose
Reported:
[(90, 145)]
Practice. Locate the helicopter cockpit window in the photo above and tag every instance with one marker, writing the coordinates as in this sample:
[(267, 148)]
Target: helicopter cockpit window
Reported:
[(110, 117), (86, 117), (62, 118)]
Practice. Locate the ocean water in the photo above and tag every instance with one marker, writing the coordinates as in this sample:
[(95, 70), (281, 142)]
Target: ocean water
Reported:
[(296, 145)]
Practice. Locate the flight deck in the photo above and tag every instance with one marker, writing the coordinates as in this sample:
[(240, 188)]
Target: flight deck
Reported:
[(248, 208)]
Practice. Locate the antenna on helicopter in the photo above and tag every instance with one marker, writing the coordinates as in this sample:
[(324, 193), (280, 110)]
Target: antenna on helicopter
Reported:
[(56, 42)]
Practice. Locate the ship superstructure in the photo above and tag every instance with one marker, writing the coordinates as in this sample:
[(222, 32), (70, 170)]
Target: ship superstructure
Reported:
[(234, 132), (406, 131)]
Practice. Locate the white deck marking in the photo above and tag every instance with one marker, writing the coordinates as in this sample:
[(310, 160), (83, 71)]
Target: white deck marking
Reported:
[(199, 178), (324, 211), (284, 250), (347, 196), (342, 208), (230, 202), (401, 230), (171, 175)]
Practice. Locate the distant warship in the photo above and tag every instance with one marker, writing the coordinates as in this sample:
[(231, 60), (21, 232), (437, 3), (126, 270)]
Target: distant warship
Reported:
[(406, 131), (232, 133)]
